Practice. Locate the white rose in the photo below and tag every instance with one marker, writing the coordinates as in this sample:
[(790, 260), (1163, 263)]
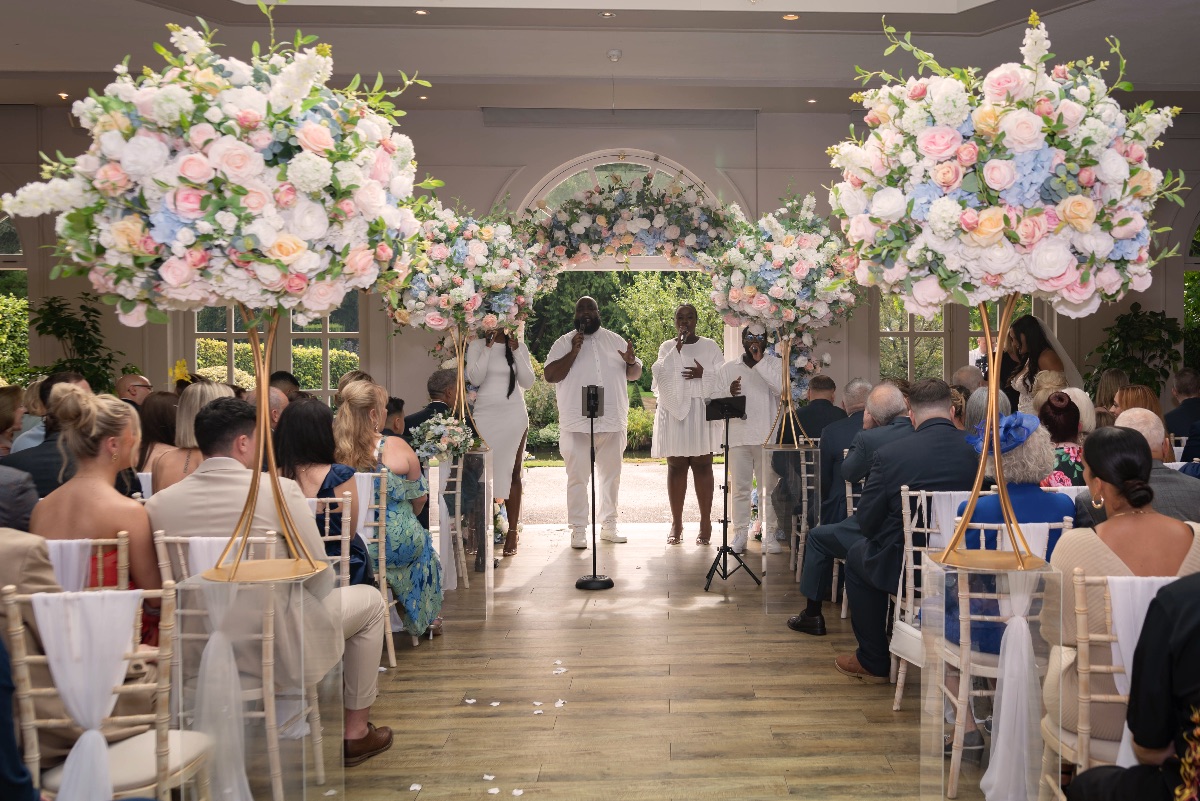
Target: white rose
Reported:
[(1094, 241), (401, 187), (1022, 130), (245, 98), (370, 199), (853, 200), (214, 115), (1113, 169), (309, 264), (307, 219), (112, 145), (143, 156), (889, 204), (1051, 258), (237, 72)]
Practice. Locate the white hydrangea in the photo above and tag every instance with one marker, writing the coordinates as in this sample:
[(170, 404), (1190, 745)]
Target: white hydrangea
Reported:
[(914, 119), (296, 80), (171, 103), (86, 111), (188, 42), (309, 172), (944, 215), (237, 72), (948, 102), (1097, 131), (405, 152), (349, 174)]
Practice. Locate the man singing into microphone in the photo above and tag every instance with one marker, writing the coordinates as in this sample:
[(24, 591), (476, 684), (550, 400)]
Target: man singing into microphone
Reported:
[(592, 356)]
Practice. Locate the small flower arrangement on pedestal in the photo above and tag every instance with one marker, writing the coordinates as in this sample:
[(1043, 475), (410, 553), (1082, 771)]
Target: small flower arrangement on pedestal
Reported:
[(443, 435)]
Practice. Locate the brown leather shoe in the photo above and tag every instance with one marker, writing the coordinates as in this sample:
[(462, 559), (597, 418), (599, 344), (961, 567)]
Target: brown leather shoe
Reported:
[(356, 752), (847, 665)]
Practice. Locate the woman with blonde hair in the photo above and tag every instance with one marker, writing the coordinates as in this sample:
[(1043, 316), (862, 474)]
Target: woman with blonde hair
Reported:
[(1106, 389), (174, 466), (412, 567), (349, 377), (12, 410), (99, 434)]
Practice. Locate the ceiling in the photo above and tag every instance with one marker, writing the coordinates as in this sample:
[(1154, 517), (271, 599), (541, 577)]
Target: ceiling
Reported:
[(694, 54)]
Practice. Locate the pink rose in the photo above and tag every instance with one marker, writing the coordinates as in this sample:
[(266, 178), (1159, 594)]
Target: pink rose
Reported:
[(735, 294), (1008, 82), (360, 262), (260, 139), (176, 272), (383, 253), (381, 167), (775, 292), (439, 252), (236, 160), (1071, 113), (1057, 156), (1059, 73), (324, 296), (968, 220), (235, 256), (789, 315), (999, 174), (436, 321), (968, 154), (1077, 292), (135, 318), (315, 138), (1135, 153), (473, 302), (111, 180), (918, 90), (948, 175), (1087, 176), (862, 230), (927, 297), (202, 135), (1139, 282), (894, 274), (285, 195), (1022, 130), (101, 281), (186, 202), (800, 269), (489, 322), (1127, 224), (248, 119), (760, 302), (1109, 280), (296, 284), (939, 142), (195, 168), (854, 181), (1044, 108), (257, 198), (196, 258), (1031, 228), (872, 119)]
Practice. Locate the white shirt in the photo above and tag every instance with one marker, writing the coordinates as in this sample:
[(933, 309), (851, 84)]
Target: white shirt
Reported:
[(599, 363), (761, 385)]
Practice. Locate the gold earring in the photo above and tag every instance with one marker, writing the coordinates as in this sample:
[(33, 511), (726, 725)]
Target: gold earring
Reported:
[(114, 457), (1097, 503)]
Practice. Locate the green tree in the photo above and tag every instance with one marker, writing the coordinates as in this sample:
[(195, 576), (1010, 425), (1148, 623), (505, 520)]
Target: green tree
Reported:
[(554, 314), (1143, 344), (77, 329), (650, 304), (1191, 317), (14, 338)]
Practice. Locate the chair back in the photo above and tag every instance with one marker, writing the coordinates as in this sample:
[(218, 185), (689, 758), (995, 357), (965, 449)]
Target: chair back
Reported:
[(32, 684), (80, 564), (1037, 535), (175, 561), (853, 492), (104, 577), (326, 508), (916, 508)]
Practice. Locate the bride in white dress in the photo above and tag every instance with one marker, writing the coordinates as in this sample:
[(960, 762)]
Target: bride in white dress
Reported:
[(685, 374), (499, 365), (1035, 348)]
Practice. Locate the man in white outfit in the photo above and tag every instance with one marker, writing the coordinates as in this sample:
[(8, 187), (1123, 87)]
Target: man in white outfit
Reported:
[(592, 355), (760, 378)]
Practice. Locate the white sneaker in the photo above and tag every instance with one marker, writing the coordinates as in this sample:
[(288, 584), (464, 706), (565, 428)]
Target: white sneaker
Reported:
[(579, 539), (611, 535), (739, 543), (772, 545)]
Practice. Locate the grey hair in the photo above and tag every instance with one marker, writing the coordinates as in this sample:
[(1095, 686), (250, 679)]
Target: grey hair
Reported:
[(968, 376), (441, 381), (885, 404), (977, 409), (278, 402), (1029, 462), (1146, 423), (854, 396)]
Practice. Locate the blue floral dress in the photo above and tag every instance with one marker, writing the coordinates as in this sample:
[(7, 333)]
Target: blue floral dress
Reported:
[(414, 573)]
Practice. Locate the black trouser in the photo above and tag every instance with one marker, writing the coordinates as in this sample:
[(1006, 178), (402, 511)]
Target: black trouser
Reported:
[(868, 613), (1139, 783)]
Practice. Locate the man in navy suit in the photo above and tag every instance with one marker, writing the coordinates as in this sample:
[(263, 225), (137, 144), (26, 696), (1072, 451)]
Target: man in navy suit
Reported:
[(1186, 392), (835, 440), (936, 457)]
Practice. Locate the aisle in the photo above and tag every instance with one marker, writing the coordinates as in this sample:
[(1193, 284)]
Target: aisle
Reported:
[(671, 692)]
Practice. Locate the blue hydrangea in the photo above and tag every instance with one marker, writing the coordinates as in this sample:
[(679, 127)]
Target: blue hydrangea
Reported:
[(967, 129), (922, 198), (419, 283), (1127, 249), (963, 196), (459, 251), (165, 225), (1033, 168)]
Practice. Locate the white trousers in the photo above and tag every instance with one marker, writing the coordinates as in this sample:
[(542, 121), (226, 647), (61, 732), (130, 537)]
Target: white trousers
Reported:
[(575, 448), (745, 461)]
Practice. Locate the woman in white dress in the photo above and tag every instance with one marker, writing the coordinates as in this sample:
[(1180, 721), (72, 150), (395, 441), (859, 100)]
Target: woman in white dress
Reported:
[(1035, 348), (685, 374), (499, 365)]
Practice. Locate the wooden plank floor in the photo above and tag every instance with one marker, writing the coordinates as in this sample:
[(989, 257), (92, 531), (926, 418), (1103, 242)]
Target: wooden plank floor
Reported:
[(671, 692)]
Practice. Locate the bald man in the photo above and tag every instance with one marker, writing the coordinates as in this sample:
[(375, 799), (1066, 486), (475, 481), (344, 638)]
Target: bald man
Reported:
[(134, 388), (278, 403)]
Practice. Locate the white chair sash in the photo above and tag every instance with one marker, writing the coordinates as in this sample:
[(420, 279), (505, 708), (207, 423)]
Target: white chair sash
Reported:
[(86, 636), (1131, 597), (365, 484), (1178, 452), (1016, 760), (71, 560), (944, 510), (1073, 492), (147, 485), (203, 553), (218, 693)]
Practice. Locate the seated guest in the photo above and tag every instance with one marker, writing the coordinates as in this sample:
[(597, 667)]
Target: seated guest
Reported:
[(20, 495), (1060, 416), (1087, 411), (1175, 494), (885, 406), (15, 782), (100, 435), (350, 377), (820, 410), (976, 410), (207, 504), (394, 426), (836, 439), (958, 406), (285, 382), (873, 563), (413, 569), (34, 412), (36, 435), (174, 466), (1105, 418), (1045, 384), (1164, 696), (158, 414), (1110, 381), (304, 453), (134, 389), (12, 412), (969, 377), (278, 402), (442, 387), (1135, 540), (1185, 389), (1136, 396)]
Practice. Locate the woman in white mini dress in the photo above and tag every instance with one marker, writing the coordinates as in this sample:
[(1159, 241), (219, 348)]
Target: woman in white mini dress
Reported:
[(685, 374), (499, 365)]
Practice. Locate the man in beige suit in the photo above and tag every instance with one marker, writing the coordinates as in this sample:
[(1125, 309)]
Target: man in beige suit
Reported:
[(25, 564), (207, 504)]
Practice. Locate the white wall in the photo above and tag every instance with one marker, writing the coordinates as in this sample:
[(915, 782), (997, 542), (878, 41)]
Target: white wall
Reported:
[(753, 164)]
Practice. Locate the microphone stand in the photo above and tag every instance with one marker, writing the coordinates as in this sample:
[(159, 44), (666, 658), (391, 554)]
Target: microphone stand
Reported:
[(591, 407), (724, 409)]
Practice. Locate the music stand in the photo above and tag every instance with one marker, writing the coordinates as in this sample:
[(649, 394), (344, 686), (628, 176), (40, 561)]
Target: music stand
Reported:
[(725, 409), (593, 407)]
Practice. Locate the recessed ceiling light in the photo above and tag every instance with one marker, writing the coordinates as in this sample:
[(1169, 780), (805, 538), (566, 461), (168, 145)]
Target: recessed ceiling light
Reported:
[(424, 97), (791, 17), (420, 11), (812, 100), (63, 95), (608, 14)]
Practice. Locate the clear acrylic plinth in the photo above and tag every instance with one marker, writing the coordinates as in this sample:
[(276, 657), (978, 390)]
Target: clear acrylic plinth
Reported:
[(465, 541), (258, 667), (788, 502), (1004, 691)]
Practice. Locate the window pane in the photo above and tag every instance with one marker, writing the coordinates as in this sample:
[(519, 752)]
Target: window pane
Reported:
[(344, 318), (893, 357), (315, 327), (892, 316), (10, 243), (921, 324), (308, 359), (343, 357), (664, 179), (628, 173), (212, 321), (15, 283), (243, 361), (576, 183), (927, 358)]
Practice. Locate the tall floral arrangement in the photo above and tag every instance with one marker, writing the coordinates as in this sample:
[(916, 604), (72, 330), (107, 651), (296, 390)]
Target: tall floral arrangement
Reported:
[(218, 181), (1032, 180), (466, 275), (676, 221)]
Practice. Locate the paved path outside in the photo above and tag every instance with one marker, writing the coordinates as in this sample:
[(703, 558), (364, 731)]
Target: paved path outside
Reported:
[(643, 496)]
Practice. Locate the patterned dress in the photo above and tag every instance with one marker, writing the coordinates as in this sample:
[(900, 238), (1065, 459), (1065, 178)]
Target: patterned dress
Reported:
[(413, 570), (1068, 467)]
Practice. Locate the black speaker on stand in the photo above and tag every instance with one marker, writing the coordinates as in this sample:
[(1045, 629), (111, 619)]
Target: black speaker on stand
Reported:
[(593, 407)]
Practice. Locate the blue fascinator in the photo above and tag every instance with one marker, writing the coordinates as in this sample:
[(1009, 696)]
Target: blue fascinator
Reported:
[(1014, 430)]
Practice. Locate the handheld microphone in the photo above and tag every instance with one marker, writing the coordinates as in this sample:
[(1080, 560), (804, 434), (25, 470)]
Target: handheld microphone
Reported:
[(579, 326)]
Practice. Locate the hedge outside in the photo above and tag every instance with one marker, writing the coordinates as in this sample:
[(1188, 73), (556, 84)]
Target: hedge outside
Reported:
[(306, 361), (14, 338)]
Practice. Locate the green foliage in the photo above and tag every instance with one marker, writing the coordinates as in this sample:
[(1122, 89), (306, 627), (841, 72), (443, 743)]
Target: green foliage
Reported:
[(641, 430), (650, 304), (635, 397), (77, 329), (14, 337), (1191, 312), (543, 439), (306, 362), (1141, 343), (240, 377)]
